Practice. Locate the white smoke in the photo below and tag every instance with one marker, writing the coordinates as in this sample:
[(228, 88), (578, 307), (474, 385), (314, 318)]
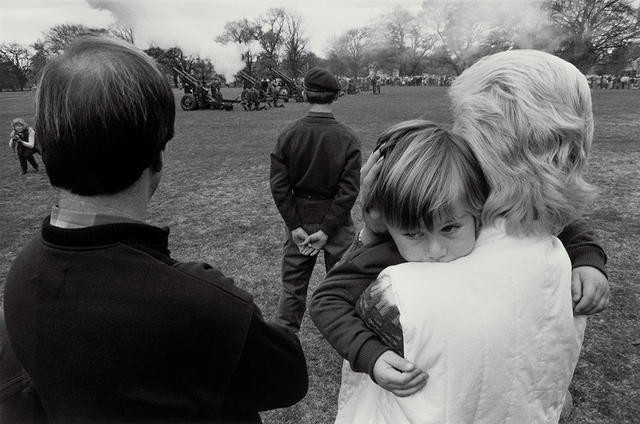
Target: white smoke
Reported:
[(182, 24), (524, 20)]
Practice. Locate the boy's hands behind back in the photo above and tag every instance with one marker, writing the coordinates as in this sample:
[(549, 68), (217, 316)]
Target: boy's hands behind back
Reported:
[(317, 240), (299, 237)]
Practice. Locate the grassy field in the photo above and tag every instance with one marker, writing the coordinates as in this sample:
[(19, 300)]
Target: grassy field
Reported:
[(215, 197)]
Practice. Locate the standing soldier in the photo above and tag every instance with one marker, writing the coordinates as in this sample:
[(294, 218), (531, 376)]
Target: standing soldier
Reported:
[(315, 179), (273, 94)]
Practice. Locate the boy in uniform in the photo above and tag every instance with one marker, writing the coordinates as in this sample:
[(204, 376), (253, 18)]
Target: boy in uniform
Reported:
[(315, 180)]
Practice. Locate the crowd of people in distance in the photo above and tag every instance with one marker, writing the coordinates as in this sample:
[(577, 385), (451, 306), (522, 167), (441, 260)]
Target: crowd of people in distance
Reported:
[(352, 85), (614, 81)]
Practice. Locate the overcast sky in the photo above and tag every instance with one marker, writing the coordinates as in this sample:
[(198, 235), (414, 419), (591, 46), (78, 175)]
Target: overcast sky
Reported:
[(24, 21)]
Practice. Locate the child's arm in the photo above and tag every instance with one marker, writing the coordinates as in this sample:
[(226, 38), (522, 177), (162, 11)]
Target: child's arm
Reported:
[(589, 284), (377, 308), (12, 143), (31, 143), (332, 309), (379, 312)]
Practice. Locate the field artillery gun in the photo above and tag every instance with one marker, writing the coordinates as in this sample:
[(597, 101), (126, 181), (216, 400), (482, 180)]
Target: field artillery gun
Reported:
[(292, 90), (198, 95), (248, 79), (253, 93)]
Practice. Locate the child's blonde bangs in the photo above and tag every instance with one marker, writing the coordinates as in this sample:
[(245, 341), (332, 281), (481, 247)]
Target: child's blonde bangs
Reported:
[(429, 176)]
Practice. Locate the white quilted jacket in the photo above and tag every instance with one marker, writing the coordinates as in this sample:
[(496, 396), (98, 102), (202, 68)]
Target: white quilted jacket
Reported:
[(494, 330)]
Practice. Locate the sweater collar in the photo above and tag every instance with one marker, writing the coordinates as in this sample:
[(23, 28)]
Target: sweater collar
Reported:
[(327, 115), (133, 233), (67, 218)]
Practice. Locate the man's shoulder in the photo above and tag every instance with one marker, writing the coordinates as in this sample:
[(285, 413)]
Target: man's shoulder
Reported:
[(211, 278), (350, 131), (291, 127)]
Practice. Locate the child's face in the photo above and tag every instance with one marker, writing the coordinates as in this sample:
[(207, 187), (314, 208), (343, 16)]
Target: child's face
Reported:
[(450, 239), (18, 127)]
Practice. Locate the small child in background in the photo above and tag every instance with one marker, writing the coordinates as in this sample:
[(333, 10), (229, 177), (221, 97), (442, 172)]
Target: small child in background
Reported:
[(429, 191), (22, 140)]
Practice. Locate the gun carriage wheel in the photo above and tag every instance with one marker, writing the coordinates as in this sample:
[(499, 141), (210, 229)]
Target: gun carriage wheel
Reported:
[(188, 102)]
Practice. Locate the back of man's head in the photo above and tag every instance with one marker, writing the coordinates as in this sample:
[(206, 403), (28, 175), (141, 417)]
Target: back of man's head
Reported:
[(104, 113)]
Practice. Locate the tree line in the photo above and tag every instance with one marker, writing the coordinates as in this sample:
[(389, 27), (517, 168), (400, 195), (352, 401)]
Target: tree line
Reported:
[(444, 37)]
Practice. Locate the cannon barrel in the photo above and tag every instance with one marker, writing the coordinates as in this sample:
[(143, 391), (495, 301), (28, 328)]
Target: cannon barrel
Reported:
[(282, 75), (185, 75), (295, 90), (247, 78)]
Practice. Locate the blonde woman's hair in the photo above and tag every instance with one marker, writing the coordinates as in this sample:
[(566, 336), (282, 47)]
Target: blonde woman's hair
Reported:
[(527, 116), (426, 173)]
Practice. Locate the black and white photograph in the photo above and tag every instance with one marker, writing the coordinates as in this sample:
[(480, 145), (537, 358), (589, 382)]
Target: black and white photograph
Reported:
[(320, 212)]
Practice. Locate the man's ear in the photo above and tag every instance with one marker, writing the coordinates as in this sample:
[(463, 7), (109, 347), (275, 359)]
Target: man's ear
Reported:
[(156, 164)]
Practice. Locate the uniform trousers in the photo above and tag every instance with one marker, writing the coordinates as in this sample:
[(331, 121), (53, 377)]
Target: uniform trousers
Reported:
[(297, 269)]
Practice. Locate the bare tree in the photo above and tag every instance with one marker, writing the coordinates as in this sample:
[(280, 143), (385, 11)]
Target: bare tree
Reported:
[(418, 44), (459, 33), (295, 45), (593, 29), (173, 58), (395, 27), (271, 34), (352, 47), (123, 32), (38, 60), (17, 58), (245, 33), (57, 38)]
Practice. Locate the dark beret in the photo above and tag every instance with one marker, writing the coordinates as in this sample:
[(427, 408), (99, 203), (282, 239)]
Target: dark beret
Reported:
[(318, 79)]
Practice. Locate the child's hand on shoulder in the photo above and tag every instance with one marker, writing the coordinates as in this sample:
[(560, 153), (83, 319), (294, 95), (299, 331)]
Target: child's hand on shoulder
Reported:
[(395, 374), (589, 290), (373, 223)]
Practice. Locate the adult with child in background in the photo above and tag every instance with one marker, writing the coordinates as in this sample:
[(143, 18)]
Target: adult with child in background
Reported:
[(22, 140), (107, 324), (315, 180), (494, 330)]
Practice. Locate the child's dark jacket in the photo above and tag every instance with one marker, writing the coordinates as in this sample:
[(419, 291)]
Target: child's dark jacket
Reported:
[(332, 307), (315, 172)]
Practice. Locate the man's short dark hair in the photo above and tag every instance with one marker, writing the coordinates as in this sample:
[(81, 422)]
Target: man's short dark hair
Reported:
[(321, 97), (104, 114)]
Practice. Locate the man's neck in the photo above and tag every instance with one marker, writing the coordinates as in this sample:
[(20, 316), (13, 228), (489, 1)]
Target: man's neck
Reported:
[(321, 108), (103, 205), (131, 203)]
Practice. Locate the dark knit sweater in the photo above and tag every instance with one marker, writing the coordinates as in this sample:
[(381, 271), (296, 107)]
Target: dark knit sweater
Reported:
[(112, 329)]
